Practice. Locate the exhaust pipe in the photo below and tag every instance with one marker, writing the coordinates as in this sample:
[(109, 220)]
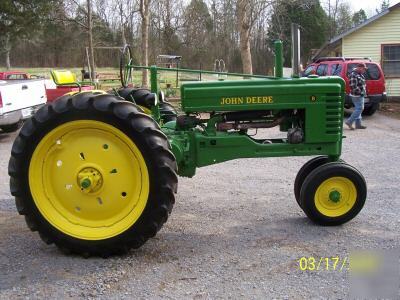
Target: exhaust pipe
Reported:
[(295, 50)]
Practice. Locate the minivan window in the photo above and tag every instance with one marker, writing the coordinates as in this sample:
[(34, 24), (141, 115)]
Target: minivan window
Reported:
[(372, 73), (309, 70), (322, 69), (336, 69), (15, 77)]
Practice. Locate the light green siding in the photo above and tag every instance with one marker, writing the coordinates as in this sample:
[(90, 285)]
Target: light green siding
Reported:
[(367, 41)]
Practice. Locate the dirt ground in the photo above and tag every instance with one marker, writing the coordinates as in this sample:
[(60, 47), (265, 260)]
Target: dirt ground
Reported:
[(391, 109), (236, 231)]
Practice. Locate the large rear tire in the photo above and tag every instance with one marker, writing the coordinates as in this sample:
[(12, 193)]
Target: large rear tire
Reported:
[(144, 98), (93, 174)]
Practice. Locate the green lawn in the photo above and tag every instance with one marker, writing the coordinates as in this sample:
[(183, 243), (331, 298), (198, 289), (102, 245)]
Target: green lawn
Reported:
[(166, 78)]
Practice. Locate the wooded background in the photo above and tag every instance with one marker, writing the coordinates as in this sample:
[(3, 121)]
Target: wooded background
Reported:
[(55, 33)]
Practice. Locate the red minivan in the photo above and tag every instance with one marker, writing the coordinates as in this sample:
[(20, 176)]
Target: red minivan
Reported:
[(342, 66)]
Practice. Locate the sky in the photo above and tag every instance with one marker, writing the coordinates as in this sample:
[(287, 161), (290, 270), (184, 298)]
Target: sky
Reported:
[(368, 5)]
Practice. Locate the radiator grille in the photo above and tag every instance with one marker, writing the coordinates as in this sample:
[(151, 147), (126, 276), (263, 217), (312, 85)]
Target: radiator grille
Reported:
[(333, 113)]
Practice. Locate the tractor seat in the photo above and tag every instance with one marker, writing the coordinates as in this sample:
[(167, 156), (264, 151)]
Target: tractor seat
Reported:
[(64, 78)]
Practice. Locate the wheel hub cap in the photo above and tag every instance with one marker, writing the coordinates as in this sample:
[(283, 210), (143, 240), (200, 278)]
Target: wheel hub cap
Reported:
[(90, 180), (334, 196)]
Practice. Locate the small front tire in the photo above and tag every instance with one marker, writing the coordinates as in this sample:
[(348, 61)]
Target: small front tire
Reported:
[(306, 169), (333, 194)]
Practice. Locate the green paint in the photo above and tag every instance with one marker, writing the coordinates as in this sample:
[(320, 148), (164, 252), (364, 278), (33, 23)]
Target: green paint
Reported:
[(314, 103), (86, 183), (278, 59), (334, 196), (155, 111), (321, 119)]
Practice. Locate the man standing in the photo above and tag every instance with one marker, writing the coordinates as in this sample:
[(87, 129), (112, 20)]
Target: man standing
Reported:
[(357, 92)]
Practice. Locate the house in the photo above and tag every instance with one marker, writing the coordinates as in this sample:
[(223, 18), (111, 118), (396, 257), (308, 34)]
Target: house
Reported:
[(377, 38)]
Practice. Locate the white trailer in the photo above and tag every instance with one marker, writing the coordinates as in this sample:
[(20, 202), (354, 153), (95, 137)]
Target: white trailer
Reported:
[(19, 99)]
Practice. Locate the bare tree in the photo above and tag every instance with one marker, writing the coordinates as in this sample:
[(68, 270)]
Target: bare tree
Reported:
[(5, 41), (248, 12), (124, 12), (243, 11), (90, 38), (145, 14), (339, 16)]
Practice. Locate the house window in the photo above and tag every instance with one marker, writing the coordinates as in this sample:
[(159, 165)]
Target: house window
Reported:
[(391, 60)]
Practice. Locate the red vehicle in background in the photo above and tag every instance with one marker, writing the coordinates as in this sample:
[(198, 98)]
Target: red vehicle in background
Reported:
[(53, 91), (13, 75), (342, 66)]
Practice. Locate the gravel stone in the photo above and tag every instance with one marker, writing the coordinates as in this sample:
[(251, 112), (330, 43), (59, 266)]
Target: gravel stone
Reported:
[(235, 231)]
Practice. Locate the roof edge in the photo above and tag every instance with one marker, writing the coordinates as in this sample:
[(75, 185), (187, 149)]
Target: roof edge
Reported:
[(355, 28)]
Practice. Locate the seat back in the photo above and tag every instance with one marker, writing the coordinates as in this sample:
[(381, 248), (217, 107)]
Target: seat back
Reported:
[(63, 77)]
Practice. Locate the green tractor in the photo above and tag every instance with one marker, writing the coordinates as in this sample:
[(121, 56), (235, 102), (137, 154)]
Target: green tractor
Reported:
[(97, 174)]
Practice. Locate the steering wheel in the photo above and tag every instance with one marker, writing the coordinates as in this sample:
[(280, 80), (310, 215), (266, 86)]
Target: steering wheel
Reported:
[(125, 71)]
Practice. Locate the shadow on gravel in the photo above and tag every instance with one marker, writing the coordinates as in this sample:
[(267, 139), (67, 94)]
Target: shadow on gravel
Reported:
[(26, 260), (7, 137)]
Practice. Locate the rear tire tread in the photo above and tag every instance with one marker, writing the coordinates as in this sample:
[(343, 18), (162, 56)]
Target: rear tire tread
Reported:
[(163, 163)]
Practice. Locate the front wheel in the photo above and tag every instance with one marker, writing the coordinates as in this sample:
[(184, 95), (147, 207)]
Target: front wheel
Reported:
[(306, 169), (93, 175), (333, 194)]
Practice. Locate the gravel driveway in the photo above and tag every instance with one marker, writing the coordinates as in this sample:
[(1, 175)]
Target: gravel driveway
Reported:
[(236, 231)]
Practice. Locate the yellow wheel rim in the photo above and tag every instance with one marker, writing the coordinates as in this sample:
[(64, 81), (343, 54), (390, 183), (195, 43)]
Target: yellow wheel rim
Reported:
[(335, 196), (89, 180)]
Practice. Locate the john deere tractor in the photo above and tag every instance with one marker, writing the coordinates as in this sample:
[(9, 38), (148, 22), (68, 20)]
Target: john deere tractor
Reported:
[(96, 173)]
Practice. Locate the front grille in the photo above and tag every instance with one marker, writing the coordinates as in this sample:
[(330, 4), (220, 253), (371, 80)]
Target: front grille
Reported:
[(333, 113)]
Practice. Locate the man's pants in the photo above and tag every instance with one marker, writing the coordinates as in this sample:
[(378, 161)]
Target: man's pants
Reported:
[(358, 109)]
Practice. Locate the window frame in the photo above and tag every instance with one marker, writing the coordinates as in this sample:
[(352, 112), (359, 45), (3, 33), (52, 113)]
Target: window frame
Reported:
[(382, 60), (330, 72), (326, 69), (312, 67), (15, 76), (369, 66)]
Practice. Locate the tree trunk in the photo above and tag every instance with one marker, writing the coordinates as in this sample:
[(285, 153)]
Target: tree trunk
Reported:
[(8, 64), (243, 7), (121, 12), (145, 13), (7, 50), (90, 38)]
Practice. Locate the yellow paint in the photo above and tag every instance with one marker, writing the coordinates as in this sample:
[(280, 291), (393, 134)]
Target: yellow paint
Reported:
[(348, 193), (119, 183), (145, 110), (86, 91), (246, 100), (63, 77)]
